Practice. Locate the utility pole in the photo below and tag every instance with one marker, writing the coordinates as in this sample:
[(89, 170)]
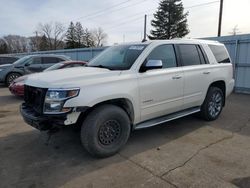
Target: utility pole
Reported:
[(220, 18), (145, 29)]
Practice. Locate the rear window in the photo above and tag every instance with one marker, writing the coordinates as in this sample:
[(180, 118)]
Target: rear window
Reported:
[(220, 53)]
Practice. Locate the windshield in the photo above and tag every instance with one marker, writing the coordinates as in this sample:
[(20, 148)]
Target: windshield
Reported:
[(21, 60), (120, 57), (54, 67)]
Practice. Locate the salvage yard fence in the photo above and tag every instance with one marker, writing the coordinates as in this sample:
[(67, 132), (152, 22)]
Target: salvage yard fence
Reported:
[(238, 47)]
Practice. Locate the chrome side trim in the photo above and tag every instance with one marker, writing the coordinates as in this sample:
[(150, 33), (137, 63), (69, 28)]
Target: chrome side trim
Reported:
[(164, 119)]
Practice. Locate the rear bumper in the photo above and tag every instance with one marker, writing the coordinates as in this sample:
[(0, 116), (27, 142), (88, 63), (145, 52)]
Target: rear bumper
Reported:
[(41, 122), (230, 87)]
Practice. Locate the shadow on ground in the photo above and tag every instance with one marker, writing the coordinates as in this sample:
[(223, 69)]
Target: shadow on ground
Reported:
[(27, 161)]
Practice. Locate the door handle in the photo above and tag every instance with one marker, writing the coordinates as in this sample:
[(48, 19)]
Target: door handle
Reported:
[(176, 77), (206, 72)]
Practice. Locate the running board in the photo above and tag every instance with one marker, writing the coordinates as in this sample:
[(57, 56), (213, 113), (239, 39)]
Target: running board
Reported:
[(164, 119)]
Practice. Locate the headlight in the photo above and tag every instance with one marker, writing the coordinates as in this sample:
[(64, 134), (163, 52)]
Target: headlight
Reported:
[(55, 99)]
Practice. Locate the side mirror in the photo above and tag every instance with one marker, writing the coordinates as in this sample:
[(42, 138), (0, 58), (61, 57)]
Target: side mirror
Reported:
[(27, 64), (152, 64)]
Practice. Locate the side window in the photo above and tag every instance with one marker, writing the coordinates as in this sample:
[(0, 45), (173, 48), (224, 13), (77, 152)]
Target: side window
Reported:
[(51, 60), (36, 60), (220, 53), (166, 54), (189, 55)]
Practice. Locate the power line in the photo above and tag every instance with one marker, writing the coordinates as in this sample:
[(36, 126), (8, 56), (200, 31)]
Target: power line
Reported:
[(114, 10), (202, 4), (102, 10)]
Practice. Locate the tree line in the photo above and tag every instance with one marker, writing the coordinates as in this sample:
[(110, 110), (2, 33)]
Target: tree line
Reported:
[(54, 36)]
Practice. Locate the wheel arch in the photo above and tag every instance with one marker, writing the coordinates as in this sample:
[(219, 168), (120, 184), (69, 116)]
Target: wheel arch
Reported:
[(221, 85), (6, 76), (123, 103)]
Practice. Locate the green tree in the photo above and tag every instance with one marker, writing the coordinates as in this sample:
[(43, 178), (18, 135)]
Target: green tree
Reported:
[(71, 38), (88, 38), (79, 35), (169, 21), (3, 48), (43, 44)]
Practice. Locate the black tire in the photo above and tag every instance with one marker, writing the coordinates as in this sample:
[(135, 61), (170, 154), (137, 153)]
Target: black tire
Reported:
[(11, 77), (213, 104), (105, 130)]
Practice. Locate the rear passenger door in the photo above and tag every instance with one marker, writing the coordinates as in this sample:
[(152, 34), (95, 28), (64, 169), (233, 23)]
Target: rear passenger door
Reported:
[(196, 74), (49, 61)]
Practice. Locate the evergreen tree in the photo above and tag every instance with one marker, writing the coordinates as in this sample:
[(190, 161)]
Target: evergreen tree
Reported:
[(43, 44), (3, 48), (88, 38), (71, 39), (170, 21), (79, 35)]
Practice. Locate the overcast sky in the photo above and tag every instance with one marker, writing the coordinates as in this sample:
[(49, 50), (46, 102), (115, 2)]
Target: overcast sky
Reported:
[(123, 22)]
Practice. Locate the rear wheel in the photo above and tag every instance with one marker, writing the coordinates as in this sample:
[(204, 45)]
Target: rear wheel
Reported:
[(105, 130), (11, 77), (213, 104)]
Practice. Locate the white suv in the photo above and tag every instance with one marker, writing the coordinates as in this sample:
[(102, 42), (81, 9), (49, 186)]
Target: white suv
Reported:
[(128, 87)]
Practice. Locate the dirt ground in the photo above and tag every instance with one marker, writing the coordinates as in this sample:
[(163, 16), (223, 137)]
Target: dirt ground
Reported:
[(188, 152)]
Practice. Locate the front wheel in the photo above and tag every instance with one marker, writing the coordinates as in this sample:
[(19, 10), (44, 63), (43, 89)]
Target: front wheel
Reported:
[(11, 77), (105, 130), (213, 104)]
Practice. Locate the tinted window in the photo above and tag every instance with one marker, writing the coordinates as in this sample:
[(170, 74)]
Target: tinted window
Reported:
[(51, 60), (36, 60), (7, 60), (220, 53), (189, 55), (166, 54)]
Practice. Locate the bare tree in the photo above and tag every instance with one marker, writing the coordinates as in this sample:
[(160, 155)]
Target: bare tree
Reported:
[(99, 37), (54, 32), (16, 43), (235, 30)]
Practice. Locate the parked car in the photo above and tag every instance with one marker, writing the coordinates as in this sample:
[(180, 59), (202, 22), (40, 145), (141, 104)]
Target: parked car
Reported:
[(27, 65), (17, 86), (128, 87), (7, 60)]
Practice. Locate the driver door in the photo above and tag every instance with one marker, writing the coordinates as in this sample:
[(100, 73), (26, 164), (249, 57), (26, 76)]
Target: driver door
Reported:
[(33, 65), (161, 90)]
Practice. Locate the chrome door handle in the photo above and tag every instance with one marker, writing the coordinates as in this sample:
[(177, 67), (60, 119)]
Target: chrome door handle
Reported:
[(206, 72), (176, 77)]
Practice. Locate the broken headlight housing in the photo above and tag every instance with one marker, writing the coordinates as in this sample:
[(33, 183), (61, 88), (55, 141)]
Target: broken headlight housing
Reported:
[(55, 99)]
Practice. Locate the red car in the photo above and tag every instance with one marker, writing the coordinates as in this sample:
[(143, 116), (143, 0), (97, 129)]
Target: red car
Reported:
[(17, 86)]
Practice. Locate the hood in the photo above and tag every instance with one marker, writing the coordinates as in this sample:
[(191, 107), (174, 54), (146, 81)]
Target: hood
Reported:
[(21, 78), (72, 77), (5, 66)]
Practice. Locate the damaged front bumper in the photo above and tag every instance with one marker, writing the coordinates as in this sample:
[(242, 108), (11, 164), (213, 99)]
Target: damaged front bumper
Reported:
[(42, 122)]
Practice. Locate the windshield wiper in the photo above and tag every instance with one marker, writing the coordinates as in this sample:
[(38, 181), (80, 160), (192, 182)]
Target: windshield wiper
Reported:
[(100, 66)]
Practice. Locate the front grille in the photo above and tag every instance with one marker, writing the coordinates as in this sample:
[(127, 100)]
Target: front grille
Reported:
[(34, 98)]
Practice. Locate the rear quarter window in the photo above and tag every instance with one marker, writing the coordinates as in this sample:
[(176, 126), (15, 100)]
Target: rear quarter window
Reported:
[(220, 53)]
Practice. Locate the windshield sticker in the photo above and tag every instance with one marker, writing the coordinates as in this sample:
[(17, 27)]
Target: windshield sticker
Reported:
[(136, 47)]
